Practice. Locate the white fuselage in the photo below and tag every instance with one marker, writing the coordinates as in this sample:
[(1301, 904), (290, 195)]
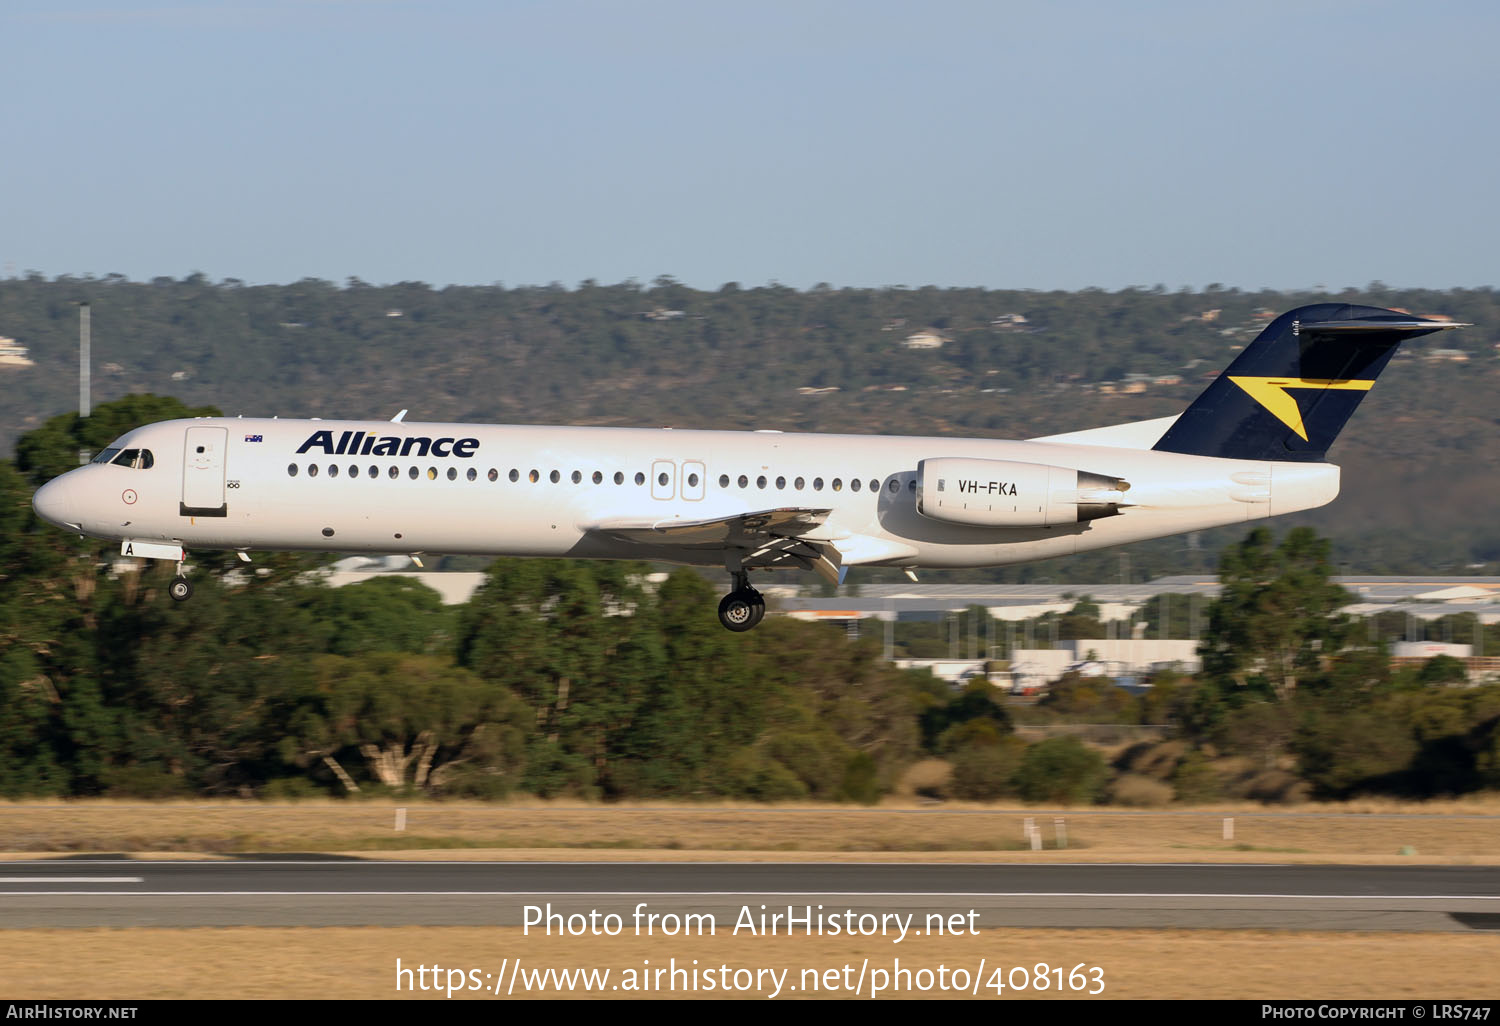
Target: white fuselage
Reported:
[(235, 483)]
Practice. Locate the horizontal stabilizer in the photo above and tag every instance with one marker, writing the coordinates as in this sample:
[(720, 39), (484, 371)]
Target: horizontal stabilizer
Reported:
[(1415, 326)]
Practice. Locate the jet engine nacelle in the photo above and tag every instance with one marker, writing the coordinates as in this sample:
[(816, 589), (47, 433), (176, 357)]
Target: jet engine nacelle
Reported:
[(1002, 493)]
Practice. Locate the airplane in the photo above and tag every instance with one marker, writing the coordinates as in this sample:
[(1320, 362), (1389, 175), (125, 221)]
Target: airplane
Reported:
[(1252, 445)]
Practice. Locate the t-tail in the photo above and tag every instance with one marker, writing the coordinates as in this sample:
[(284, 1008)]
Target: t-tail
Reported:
[(1289, 394)]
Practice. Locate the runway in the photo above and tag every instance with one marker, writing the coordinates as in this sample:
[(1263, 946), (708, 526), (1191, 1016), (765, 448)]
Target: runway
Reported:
[(312, 891)]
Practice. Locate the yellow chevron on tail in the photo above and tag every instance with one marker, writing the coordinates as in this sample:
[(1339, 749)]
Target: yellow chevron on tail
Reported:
[(1272, 394)]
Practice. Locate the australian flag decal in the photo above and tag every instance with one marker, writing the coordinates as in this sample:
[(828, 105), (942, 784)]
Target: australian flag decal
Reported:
[(254, 438)]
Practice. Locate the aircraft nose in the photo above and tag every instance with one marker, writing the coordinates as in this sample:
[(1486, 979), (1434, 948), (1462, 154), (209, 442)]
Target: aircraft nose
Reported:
[(54, 502)]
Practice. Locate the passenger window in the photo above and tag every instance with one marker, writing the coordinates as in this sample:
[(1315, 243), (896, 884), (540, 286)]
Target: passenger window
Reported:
[(333, 470), (453, 474), (395, 472), (797, 484), (412, 473), (692, 480), (817, 484), (619, 478), (533, 477), (291, 469), (554, 477), (856, 484), (353, 470), (838, 485), (515, 475), (911, 486), (743, 482), (598, 478), (577, 477), (894, 486), (723, 480), (661, 479), (640, 478), (874, 485), (312, 470), (781, 482), (760, 482)]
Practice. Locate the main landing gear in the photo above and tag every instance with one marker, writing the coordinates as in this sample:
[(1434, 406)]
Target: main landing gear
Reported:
[(742, 608)]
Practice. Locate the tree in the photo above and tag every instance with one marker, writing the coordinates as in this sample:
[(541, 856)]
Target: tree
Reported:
[(385, 614), (702, 707), (982, 772), (1443, 669), (1061, 770), (580, 645), (975, 713), (1276, 618), (418, 721), (1080, 622), (1349, 751)]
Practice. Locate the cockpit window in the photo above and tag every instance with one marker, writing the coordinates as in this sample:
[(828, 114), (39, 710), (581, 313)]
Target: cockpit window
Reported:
[(106, 455), (136, 459)]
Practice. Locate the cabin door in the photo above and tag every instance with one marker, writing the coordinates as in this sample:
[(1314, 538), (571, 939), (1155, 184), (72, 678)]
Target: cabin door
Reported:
[(203, 472)]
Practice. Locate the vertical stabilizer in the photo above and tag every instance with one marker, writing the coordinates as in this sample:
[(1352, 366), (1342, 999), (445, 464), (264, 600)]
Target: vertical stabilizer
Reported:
[(1289, 394)]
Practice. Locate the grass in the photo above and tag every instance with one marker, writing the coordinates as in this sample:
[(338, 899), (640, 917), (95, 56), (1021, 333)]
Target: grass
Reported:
[(1458, 832), (347, 963)]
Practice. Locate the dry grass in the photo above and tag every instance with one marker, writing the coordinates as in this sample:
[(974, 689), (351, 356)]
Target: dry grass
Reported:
[(924, 777), (251, 962), (1454, 831), (1137, 791)]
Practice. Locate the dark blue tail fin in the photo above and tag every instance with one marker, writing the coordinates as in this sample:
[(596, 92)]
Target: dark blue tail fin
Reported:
[(1287, 396)]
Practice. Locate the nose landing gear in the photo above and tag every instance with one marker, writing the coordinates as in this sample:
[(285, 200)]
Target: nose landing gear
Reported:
[(181, 589), (742, 608)]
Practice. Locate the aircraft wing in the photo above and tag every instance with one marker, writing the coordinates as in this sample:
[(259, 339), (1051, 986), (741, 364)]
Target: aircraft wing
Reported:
[(787, 521), (767, 538)]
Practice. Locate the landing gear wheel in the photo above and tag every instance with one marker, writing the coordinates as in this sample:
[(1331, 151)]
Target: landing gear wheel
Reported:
[(180, 589), (741, 610), (759, 601)]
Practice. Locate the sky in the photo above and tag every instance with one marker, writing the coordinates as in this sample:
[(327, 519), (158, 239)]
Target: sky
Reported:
[(1283, 144)]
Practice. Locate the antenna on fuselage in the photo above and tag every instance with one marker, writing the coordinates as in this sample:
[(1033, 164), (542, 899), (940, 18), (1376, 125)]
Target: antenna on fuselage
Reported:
[(397, 418)]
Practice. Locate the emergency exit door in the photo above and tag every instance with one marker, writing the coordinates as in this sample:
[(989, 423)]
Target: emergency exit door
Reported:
[(663, 479)]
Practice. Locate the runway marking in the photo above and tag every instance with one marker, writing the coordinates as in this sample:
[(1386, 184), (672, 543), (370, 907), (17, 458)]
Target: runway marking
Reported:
[(71, 879)]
